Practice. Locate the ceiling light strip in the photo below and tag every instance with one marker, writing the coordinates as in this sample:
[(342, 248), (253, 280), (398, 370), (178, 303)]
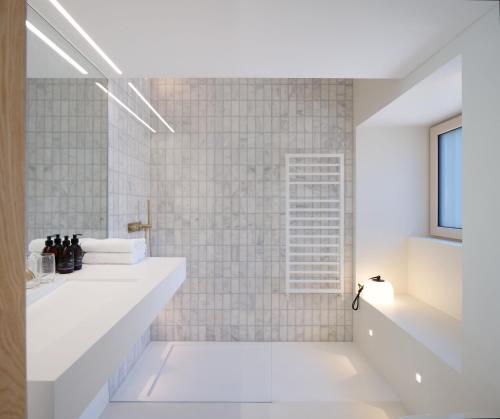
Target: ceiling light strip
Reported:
[(85, 35), (130, 111), (33, 29), (151, 107)]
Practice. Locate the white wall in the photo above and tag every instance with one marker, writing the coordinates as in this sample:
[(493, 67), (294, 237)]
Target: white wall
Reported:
[(370, 95), (479, 47), (481, 209), (435, 273), (392, 196)]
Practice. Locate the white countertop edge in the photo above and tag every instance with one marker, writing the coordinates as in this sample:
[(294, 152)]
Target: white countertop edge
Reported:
[(71, 370)]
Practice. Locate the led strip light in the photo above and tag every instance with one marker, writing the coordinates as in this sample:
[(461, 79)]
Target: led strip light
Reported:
[(85, 35), (33, 29), (151, 107), (130, 111), (98, 49)]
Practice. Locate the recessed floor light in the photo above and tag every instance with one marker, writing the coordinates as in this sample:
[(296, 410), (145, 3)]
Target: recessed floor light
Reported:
[(33, 29), (418, 378), (130, 111), (150, 106), (85, 35)]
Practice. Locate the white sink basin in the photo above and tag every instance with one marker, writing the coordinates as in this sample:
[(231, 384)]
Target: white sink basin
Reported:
[(107, 273), (110, 278), (89, 273), (79, 301)]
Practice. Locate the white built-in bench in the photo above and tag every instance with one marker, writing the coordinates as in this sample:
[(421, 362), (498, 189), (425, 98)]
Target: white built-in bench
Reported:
[(431, 328), (420, 333)]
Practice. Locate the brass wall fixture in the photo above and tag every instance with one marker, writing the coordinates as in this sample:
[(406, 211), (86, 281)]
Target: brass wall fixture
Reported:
[(138, 226)]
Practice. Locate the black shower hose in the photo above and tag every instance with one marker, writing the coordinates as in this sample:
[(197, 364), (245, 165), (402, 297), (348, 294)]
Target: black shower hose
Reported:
[(355, 302)]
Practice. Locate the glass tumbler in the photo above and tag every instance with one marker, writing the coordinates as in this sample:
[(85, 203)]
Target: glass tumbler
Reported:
[(47, 271), (32, 271)]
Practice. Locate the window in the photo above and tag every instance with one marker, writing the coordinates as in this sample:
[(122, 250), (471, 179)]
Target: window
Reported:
[(446, 179)]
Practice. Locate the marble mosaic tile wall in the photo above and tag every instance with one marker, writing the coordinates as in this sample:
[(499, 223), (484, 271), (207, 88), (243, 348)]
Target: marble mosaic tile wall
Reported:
[(129, 184), (218, 190), (66, 158), (129, 158)]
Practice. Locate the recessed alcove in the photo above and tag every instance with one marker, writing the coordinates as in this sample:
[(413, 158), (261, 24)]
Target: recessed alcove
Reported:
[(421, 332)]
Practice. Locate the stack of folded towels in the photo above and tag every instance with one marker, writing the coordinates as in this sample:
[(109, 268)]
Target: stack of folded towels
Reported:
[(113, 251)]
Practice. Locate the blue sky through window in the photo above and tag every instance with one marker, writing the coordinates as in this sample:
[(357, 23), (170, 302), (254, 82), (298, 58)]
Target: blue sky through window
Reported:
[(450, 179)]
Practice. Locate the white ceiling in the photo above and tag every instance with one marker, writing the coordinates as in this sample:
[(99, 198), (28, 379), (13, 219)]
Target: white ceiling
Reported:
[(434, 99), (45, 63), (265, 38), (42, 61)]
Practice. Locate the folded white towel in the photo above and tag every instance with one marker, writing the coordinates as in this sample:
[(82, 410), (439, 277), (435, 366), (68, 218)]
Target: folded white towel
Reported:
[(114, 245), (113, 258), (36, 246)]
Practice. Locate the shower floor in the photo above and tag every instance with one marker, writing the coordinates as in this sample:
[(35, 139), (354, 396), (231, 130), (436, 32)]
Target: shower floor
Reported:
[(254, 379)]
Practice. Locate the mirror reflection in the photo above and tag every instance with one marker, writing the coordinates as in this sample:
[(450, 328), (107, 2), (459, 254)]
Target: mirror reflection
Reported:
[(66, 137)]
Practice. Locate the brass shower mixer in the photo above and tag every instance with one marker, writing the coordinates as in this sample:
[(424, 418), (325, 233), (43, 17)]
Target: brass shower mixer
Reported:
[(138, 226)]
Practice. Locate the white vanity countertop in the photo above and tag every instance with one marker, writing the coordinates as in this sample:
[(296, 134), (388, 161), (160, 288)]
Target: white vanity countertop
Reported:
[(78, 333)]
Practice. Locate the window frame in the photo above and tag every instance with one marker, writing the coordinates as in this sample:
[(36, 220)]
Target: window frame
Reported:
[(435, 131)]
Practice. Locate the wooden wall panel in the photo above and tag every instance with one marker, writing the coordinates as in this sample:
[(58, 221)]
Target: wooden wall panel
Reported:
[(12, 288)]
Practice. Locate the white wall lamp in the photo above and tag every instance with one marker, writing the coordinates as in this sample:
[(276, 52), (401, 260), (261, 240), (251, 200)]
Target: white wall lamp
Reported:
[(370, 332), (150, 107), (85, 35), (377, 291), (35, 31), (130, 111)]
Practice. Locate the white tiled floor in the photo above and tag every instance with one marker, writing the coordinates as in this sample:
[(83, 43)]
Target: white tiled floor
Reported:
[(295, 410), (241, 379), (200, 372)]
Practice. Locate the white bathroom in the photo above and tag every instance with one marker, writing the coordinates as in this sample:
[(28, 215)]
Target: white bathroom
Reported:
[(250, 209)]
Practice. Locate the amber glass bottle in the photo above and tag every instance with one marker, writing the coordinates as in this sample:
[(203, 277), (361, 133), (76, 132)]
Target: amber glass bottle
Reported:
[(49, 246), (66, 260), (77, 252), (58, 247)]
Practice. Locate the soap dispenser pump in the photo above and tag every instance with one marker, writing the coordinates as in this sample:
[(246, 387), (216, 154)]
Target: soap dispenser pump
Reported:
[(77, 252), (66, 261), (49, 247)]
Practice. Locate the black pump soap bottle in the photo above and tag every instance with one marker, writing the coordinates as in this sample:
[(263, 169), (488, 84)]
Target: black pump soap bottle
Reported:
[(58, 247), (77, 252), (66, 262), (49, 247)]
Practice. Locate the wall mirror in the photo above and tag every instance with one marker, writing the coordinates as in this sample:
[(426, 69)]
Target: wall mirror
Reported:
[(66, 171)]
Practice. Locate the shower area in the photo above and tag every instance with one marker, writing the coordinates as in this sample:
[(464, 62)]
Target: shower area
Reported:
[(255, 189)]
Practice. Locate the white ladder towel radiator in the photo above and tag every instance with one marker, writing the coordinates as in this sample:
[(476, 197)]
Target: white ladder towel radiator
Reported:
[(314, 223)]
